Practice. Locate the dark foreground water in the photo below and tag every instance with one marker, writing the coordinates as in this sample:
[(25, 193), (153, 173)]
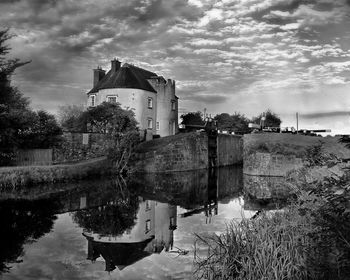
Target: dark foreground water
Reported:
[(108, 229)]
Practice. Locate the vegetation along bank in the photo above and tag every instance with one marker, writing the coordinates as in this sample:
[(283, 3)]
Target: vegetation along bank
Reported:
[(308, 239), (14, 178)]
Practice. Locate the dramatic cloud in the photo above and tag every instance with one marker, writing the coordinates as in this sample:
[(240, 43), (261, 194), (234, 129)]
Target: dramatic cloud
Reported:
[(225, 55)]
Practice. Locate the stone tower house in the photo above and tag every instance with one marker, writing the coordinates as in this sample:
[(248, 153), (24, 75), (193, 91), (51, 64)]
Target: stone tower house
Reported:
[(151, 97)]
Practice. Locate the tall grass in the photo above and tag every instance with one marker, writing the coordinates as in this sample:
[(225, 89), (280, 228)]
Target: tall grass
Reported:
[(310, 239), (270, 247), (14, 178)]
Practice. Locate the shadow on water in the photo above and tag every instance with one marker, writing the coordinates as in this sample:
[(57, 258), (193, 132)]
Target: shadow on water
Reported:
[(122, 222)]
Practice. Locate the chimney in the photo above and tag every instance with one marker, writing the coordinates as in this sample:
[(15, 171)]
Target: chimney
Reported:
[(115, 65), (99, 73)]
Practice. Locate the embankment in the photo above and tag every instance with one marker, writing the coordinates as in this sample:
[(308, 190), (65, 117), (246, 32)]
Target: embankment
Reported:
[(275, 154), (24, 176)]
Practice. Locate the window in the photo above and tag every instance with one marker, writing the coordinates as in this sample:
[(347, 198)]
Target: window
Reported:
[(149, 123), (148, 205), (150, 102), (112, 99), (173, 105), (157, 126), (148, 226), (93, 100)]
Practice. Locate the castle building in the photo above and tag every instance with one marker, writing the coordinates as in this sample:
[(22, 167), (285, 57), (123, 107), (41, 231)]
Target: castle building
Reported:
[(151, 97)]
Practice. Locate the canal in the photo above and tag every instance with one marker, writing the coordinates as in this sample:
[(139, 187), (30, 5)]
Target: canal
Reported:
[(142, 228)]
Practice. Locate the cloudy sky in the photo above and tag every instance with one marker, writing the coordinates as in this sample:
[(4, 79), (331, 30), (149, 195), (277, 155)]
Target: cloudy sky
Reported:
[(225, 55)]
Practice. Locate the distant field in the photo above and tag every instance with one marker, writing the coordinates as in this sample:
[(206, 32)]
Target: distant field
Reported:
[(292, 144)]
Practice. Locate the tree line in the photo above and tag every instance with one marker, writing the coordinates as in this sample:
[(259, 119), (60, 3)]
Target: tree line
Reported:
[(236, 122)]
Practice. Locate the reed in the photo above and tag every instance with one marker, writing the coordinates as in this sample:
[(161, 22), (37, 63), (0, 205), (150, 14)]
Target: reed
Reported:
[(270, 247)]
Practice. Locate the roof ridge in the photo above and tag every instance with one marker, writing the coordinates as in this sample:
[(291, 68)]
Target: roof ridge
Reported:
[(138, 68)]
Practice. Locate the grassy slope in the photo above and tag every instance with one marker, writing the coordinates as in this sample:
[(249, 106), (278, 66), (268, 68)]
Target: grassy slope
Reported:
[(292, 144)]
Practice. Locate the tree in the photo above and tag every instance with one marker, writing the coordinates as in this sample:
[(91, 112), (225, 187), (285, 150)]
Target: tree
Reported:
[(43, 132), (120, 126), (192, 118), (237, 122), (271, 119), (14, 107), (109, 118), (20, 127), (70, 117)]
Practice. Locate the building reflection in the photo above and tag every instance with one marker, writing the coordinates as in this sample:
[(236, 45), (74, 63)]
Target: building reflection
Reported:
[(152, 233)]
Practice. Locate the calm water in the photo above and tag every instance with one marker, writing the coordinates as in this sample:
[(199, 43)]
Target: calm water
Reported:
[(106, 229)]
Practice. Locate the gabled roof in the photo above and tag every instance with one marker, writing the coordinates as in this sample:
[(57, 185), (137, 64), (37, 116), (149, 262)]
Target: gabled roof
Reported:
[(127, 76)]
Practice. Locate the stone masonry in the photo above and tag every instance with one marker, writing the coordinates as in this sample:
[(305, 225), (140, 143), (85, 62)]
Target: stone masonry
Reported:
[(266, 164)]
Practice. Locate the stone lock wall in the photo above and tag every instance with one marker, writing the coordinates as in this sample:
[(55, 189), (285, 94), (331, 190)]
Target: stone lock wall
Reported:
[(173, 153), (186, 151), (267, 164), (266, 187)]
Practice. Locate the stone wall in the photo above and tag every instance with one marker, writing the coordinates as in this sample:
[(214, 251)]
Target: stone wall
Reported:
[(230, 149), (80, 146), (188, 151), (266, 188), (267, 164)]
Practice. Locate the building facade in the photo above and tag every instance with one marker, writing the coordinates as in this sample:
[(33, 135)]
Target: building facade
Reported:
[(151, 97)]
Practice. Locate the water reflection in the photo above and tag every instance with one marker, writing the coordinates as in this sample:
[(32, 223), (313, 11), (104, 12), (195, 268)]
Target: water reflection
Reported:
[(119, 223), (152, 233), (265, 192), (23, 222), (190, 189)]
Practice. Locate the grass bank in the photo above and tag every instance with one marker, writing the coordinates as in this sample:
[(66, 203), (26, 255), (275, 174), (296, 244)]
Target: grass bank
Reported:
[(25, 176), (309, 239), (291, 144)]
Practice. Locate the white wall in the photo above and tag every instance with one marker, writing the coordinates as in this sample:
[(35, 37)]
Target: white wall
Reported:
[(167, 118), (135, 99)]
